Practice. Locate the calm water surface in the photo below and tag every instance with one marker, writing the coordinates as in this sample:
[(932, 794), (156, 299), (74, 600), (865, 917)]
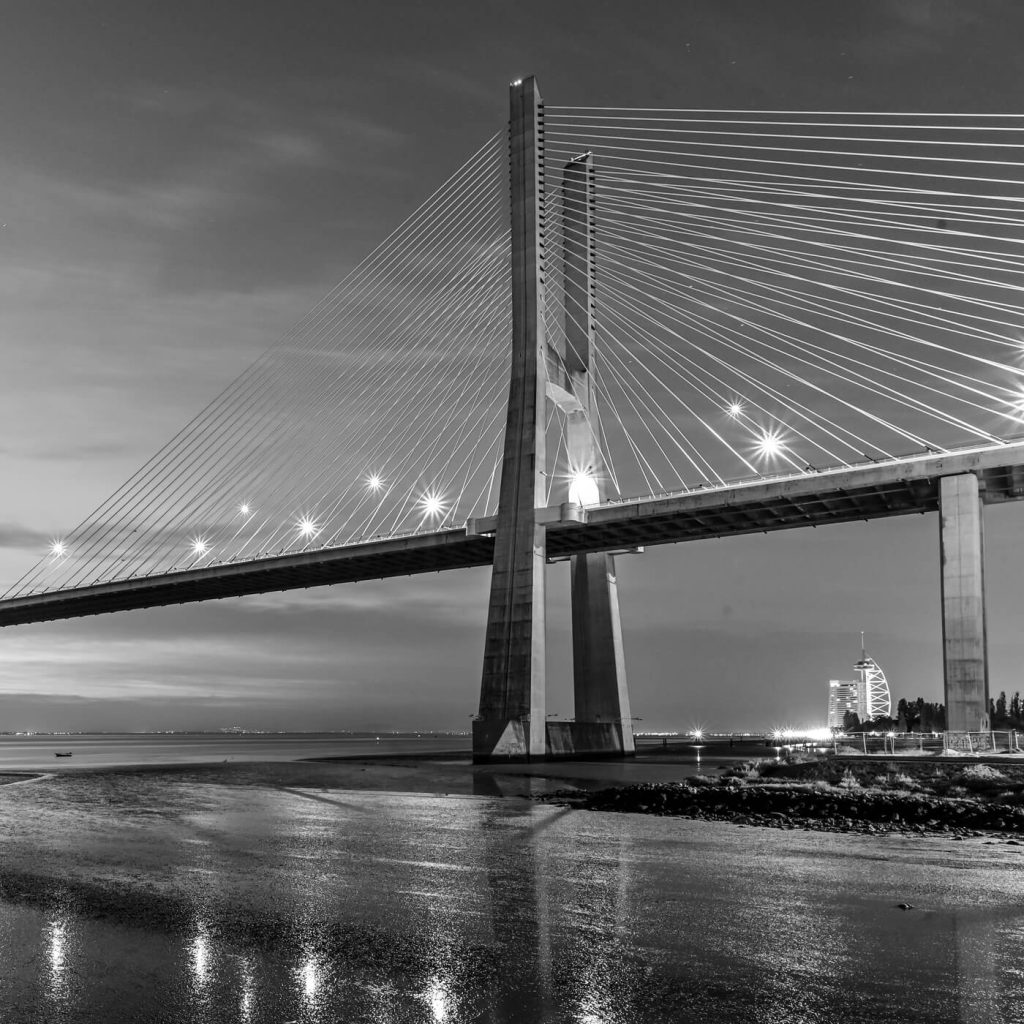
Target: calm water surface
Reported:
[(283, 893), (136, 748)]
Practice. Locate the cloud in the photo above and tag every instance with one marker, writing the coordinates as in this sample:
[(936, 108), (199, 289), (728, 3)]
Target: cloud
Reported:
[(23, 538)]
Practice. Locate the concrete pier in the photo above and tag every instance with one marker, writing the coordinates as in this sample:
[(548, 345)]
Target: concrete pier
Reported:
[(964, 642), (510, 724)]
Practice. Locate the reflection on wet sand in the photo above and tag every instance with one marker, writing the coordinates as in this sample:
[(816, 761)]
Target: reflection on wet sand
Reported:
[(284, 904)]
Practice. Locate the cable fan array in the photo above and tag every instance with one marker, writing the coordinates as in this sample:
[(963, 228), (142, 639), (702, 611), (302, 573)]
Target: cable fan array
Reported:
[(776, 292), (380, 413), (788, 292)]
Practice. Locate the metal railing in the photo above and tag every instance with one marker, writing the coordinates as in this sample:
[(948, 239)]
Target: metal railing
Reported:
[(992, 741)]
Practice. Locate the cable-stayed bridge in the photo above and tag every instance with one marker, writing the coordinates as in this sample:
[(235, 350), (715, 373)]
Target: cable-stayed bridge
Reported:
[(719, 322)]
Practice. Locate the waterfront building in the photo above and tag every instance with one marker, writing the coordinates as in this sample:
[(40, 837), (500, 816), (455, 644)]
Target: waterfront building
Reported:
[(867, 695), (844, 695)]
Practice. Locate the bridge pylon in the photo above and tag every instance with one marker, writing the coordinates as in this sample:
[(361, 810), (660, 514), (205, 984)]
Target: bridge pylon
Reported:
[(602, 723), (511, 724)]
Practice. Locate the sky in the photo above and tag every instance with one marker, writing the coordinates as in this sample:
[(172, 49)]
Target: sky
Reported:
[(180, 183)]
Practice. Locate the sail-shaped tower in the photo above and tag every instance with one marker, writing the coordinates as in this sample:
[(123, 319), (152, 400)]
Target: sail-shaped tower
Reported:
[(873, 685)]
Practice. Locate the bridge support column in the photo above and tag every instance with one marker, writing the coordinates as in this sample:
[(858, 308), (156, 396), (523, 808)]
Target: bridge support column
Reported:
[(602, 722), (964, 642), (510, 725)]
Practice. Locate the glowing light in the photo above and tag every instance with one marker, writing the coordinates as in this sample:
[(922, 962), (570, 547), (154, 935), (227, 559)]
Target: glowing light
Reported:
[(735, 409), (374, 482), (697, 734), (583, 488), (58, 549), (432, 504), (244, 509), (199, 546), (818, 733), (769, 444), (307, 528)]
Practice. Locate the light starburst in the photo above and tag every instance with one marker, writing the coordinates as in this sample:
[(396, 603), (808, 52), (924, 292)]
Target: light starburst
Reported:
[(58, 549), (200, 546), (769, 444), (432, 504), (583, 489), (375, 482), (735, 409), (307, 528)]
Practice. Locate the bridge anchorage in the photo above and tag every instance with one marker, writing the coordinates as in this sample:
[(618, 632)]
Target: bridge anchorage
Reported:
[(786, 320)]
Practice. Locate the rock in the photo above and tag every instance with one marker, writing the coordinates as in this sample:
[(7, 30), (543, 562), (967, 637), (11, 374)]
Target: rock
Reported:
[(905, 906)]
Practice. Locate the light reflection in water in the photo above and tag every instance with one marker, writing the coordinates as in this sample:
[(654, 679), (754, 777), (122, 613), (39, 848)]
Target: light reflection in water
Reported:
[(199, 957), (57, 935), (438, 999), (309, 976), (247, 995)]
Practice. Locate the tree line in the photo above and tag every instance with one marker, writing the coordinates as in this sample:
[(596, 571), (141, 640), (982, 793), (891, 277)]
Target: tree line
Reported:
[(929, 716)]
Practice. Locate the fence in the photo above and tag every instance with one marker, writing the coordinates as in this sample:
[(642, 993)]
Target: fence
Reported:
[(910, 743)]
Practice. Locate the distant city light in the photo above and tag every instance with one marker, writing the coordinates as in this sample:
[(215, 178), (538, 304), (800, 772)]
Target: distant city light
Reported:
[(58, 549), (374, 482), (583, 489), (307, 527), (735, 409), (199, 546), (769, 444)]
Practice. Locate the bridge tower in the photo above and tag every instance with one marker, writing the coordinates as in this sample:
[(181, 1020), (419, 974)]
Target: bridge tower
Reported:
[(511, 721), (602, 721), (511, 724)]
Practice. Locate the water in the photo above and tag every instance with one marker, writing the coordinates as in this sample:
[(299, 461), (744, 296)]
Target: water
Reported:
[(109, 749), (286, 892)]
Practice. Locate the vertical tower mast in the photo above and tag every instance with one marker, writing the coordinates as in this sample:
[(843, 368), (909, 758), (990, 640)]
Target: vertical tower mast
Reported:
[(602, 719), (511, 720)]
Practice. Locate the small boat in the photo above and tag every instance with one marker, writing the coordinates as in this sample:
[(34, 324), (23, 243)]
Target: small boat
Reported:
[(63, 753)]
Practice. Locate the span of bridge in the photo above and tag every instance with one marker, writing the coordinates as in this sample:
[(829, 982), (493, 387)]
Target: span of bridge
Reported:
[(905, 487), (760, 305)]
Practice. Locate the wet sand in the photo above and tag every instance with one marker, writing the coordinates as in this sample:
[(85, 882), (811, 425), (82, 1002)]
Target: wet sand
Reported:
[(394, 890)]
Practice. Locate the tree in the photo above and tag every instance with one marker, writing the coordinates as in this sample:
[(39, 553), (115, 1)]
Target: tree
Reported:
[(904, 715), (851, 721), (1000, 715)]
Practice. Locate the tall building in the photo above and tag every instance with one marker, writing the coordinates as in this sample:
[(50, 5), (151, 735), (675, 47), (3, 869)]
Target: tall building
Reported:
[(844, 695), (867, 695)]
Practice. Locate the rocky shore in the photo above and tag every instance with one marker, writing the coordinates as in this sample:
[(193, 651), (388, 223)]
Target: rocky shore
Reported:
[(926, 799)]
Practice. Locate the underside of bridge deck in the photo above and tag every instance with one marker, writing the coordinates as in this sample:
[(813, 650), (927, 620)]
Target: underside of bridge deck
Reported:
[(863, 493)]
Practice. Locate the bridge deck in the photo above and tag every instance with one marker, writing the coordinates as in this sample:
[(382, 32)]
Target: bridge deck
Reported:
[(815, 499)]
